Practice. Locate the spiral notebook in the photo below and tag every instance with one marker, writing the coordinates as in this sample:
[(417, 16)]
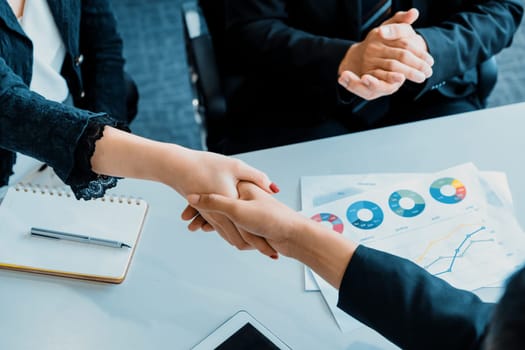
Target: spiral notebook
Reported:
[(111, 217)]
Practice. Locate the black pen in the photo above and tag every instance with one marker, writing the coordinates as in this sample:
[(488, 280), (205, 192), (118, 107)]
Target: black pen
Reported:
[(76, 237)]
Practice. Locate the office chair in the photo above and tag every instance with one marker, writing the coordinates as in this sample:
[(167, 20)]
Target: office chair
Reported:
[(211, 84), (132, 97), (488, 73), (209, 102)]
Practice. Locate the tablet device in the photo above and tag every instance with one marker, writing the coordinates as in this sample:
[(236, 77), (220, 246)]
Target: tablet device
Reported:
[(241, 332)]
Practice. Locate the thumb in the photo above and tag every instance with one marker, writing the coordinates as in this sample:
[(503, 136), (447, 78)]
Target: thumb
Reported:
[(258, 177), (395, 31), (210, 202), (407, 17)]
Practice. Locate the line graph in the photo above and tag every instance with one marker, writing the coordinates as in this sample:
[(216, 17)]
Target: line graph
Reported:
[(456, 256), (457, 252), (463, 249), (468, 254), (452, 232)]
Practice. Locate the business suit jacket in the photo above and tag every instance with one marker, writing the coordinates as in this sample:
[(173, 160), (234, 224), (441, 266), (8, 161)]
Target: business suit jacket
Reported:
[(409, 306), (289, 51), (93, 69)]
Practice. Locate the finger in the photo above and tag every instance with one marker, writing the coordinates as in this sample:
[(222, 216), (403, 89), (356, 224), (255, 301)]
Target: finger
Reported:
[(220, 231), (350, 81), (211, 202), (197, 223), (259, 243), (407, 58), (389, 77), (228, 229), (348, 78), (410, 73), (396, 31), (407, 17), (189, 213), (412, 46), (380, 87), (366, 87), (216, 226), (259, 178), (248, 190), (224, 206), (207, 227)]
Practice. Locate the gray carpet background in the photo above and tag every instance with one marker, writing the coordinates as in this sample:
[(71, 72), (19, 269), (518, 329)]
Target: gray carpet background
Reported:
[(154, 52)]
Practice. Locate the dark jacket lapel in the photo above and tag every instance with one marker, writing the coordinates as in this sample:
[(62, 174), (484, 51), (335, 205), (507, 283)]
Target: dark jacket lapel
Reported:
[(9, 19), (67, 19)]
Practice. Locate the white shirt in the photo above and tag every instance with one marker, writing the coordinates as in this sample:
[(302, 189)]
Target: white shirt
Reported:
[(48, 56), (48, 51)]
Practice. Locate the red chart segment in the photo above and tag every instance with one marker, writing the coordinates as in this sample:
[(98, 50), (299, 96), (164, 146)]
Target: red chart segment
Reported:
[(337, 224)]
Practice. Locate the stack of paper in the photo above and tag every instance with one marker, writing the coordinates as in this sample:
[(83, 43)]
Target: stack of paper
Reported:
[(458, 223)]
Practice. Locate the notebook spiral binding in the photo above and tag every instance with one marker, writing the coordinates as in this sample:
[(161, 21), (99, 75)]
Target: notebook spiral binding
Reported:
[(66, 192)]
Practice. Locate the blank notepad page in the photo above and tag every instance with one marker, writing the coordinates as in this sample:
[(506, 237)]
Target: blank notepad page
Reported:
[(111, 217)]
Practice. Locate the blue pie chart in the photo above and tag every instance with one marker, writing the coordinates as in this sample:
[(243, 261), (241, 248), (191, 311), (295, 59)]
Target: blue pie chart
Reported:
[(365, 215), (406, 203)]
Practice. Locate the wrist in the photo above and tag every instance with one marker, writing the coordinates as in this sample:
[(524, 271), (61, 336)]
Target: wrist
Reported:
[(325, 251), (174, 166), (348, 62)]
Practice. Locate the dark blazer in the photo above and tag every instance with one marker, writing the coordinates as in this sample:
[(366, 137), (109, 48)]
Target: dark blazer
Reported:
[(409, 306), (289, 52), (93, 69)]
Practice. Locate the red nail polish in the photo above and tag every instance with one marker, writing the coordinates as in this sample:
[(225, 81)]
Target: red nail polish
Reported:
[(274, 257), (274, 188)]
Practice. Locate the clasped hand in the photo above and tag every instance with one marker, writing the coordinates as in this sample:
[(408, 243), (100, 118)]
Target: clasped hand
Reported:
[(215, 173), (389, 55), (255, 214)]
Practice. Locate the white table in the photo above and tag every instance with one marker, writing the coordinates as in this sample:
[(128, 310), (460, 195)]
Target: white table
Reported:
[(182, 285)]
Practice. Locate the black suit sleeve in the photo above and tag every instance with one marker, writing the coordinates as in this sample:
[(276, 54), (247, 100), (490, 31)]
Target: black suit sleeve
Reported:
[(471, 35), (262, 37), (409, 306)]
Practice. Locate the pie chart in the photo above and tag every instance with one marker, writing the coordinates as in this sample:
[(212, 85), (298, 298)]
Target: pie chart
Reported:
[(448, 190), (406, 203), (337, 224), (365, 215)]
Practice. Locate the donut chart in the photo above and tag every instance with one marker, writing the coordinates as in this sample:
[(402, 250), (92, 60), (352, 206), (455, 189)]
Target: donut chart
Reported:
[(406, 203), (365, 215), (457, 189), (337, 224)]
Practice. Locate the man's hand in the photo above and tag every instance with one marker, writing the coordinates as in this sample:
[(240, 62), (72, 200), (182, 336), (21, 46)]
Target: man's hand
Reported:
[(389, 55), (255, 214)]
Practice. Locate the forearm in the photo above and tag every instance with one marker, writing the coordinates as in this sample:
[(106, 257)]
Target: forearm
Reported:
[(122, 154), (288, 50), (262, 36), (326, 252), (39, 128)]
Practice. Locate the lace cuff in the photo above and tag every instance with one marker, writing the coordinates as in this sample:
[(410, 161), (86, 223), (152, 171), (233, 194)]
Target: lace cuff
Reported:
[(84, 183)]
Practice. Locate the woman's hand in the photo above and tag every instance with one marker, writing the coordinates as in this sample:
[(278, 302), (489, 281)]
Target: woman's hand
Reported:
[(206, 172), (256, 214), (187, 171)]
